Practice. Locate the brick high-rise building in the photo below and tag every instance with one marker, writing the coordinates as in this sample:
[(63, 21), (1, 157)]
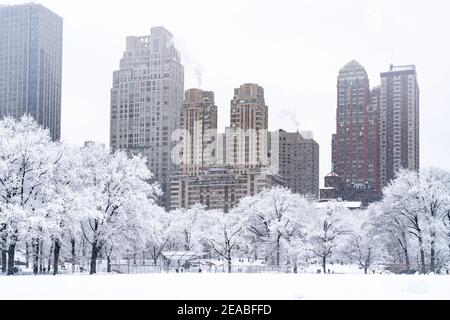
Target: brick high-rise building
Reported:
[(374, 135), (355, 144), (199, 131), (399, 121), (31, 64), (146, 100)]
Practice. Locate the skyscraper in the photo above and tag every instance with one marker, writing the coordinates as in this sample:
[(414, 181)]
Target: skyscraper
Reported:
[(298, 161), (199, 131), (399, 121), (355, 144), (31, 64), (247, 136), (146, 100)]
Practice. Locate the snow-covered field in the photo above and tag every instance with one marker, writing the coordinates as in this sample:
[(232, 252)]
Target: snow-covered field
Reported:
[(214, 286)]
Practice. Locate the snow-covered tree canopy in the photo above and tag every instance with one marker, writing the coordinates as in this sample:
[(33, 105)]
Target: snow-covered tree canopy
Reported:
[(418, 204), (273, 218), (53, 192)]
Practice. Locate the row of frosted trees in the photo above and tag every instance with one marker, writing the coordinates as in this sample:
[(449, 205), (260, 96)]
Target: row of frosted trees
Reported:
[(60, 203)]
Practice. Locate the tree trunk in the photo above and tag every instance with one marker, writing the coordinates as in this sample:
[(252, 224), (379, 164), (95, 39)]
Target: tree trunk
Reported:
[(72, 242), (186, 241), (49, 262), (84, 253), (229, 261), (422, 256), (41, 256), (324, 264), (295, 263), (408, 264), (56, 256), (11, 253), (3, 251), (108, 267), (432, 252), (4, 260), (404, 245), (94, 255), (278, 249), (35, 250), (27, 254)]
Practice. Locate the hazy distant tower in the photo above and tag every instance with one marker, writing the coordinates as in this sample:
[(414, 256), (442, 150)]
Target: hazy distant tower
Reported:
[(355, 144), (199, 130), (31, 64), (399, 121), (146, 100), (247, 137), (298, 161)]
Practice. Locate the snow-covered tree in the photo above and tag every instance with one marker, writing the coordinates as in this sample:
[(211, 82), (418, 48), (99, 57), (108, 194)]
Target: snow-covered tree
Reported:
[(328, 230), (189, 226), (119, 196), (161, 236), (420, 202), (225, 234), (365, 243), (27, 164), (274, 217)]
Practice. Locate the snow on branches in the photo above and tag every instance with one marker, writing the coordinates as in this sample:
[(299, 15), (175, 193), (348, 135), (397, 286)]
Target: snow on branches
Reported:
[(67, 204)]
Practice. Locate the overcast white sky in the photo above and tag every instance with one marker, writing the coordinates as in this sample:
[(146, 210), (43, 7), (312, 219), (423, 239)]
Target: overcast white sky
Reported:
[(294, 49)]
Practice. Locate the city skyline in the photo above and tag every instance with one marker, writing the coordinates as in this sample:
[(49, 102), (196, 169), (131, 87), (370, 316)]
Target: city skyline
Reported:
[(314, 71)]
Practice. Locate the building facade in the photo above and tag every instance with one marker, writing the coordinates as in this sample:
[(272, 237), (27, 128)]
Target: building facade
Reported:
[(31, 64), (198, 131), (355, 144), (146, 100), (399, 121), (247, 136), (298, 161), (336, 188), (235, 164), (219, 187)]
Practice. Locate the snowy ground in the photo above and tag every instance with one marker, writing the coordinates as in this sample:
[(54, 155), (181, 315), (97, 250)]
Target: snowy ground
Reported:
[(214, 286)]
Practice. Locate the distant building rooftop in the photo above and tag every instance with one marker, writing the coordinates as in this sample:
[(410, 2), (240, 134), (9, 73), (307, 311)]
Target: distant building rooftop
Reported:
[(352, 205), (403, 68), (332, 174)]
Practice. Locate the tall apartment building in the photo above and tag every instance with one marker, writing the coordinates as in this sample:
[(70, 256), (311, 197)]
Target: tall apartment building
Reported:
[(146, 100), (298, 161), (374, 135), (355, 144), (198, 131), (247, 136), (399, 121), (31, 64)]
